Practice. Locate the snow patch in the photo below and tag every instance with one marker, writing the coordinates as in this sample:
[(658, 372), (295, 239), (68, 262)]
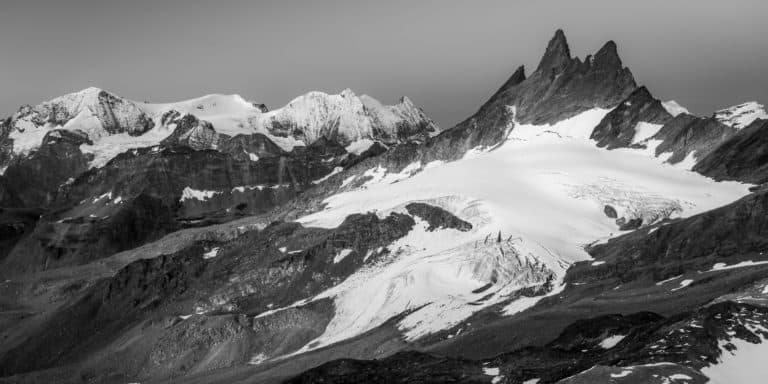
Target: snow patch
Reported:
[(683, 284), (190, 194), (674, 108), (644, 131), (491, 371), (623, 373), (212, 253), (326, 177), (748, 263), (341, 255), (610, 342), (359, 146)]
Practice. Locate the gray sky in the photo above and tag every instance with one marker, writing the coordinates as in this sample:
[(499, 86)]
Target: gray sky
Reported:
[(448, 56)]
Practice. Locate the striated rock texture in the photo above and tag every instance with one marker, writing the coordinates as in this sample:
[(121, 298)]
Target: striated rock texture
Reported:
[(204, 307), (743, 157), (618, 127), (193, 133), (687, 134), (650, 349), (37, 179), (562, 86), (694, 243)]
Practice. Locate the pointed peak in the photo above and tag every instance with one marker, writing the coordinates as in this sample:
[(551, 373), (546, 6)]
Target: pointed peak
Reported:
[(517, 77), (557, 55), (405, 101), (608, 55), (641, 93)]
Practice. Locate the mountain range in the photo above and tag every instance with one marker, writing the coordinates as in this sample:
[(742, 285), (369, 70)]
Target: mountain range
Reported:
[(575, 229)]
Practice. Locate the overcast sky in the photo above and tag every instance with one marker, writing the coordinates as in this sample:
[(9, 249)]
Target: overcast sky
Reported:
[(448, 56)]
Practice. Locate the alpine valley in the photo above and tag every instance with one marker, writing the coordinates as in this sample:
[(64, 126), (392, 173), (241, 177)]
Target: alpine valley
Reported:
[(575, 229)]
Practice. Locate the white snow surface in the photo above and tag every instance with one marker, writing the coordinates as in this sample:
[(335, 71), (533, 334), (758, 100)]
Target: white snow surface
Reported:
[(748, 263), (195, 194), (683, 284), (212, 253), (745, 364), (644, 131), (544, 188), (611, 341), (341, 255), (674, 108), (740, 116)]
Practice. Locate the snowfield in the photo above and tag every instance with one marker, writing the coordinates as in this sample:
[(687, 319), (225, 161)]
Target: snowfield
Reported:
[(543, 190)]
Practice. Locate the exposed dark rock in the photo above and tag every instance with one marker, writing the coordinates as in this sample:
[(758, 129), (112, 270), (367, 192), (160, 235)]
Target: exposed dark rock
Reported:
[(686, 134), (106, 308), (193, 133), (627, 225), (15, 223), (737, 230), (742, 157), (617, 129), (685, 343), (610, 212), (120, 115), (437, 217), (36, 179)]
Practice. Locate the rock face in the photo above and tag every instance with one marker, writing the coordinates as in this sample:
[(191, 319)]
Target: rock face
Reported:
[(37, 179), (743, 157), (563, 86), (619, 128), (437, 217), (686, 134), (193, 133)]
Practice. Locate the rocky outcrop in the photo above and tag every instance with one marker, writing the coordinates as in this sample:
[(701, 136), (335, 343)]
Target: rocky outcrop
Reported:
[(193, 133), (687, 134), (649, 348), (618, 127), (696, 243), (437, 217), (742, 157), (35, 180)]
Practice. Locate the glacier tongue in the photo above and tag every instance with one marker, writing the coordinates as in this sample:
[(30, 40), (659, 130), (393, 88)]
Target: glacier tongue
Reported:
[(536, 192)]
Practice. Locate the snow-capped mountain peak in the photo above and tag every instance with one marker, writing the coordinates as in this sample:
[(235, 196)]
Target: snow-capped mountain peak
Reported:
[(347, 118), (739, 116)]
